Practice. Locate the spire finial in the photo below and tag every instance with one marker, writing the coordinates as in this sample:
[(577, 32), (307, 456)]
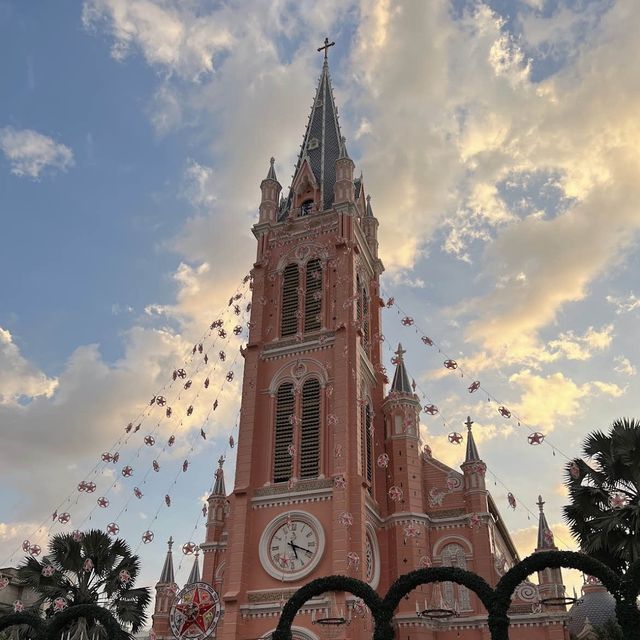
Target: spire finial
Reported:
[(468, 423), (220, 461), (400, 352), (325, 48), (170, 542), (540, 503), (368, 198)]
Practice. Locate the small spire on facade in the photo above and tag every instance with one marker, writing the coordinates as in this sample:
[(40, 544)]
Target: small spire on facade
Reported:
[(369, 211), (472, 451), (400, 382), (545, 535), (194, 576), (218, 487), (343, 149), (167, 576), (271, 175)]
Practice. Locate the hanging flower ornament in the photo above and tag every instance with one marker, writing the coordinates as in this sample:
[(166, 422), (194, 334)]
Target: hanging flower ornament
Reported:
[(63, 518), (88, 565), (390, 302), (35, 550), (26, 545), (124, 576), (137, 493), (18, 606), (189, 409), (450, 364), (90, 487), (77, 535), (617, 501), (167, 500), (359, 607), (232, 442), (113, 529), (161, 401), (512, 500), (407, 321), (332, 420), (48, 570), (155, 465), (59, 604), (107, 457), (229, 376), (411, 531), (345, 519), (474, 521), (188, 548), (147, 537), (395, 493), (427, 454), (424, 562), (535, 438), (474, 386), (427, 340), (431, 409), (149, 441), (383, 460), (454, 437), (504, 412), (291, 450), (185, 466), (127, 471), (4, 582)]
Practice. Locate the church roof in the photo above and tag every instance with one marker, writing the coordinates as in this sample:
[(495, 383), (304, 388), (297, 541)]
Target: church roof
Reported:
[(401, 382), (218, 487), (545, 536), (595, 607), (322, 144), (167, 575), (271, 175), (194, 576), (472, 454)]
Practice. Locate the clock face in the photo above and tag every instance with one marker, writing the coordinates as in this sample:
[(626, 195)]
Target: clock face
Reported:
[(291, 546)]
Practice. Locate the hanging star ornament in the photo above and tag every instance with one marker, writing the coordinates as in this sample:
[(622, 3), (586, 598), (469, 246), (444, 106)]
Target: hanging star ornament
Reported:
[(196, 612)]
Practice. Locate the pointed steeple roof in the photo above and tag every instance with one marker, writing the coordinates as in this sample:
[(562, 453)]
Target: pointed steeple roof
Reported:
[(271, 175), (322, 143), (545, 535), (400, 382), (194, 576), (218, 487), (472, 451), (167, 575), (369, 211)]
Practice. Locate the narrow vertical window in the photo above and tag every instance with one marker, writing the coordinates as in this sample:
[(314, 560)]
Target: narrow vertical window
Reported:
[(365, 319), (285, 407), (368, 431), (310, 430), (289, 318), (313, 296)]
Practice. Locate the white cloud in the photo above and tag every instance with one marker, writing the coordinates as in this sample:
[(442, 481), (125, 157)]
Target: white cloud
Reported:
[(624, 366), (18, 377), (29, 153), (625, 304), (173, 36)]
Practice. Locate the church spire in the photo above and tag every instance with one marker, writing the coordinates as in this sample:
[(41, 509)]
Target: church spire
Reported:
[(545, 535), (369, 211), (167, 575), (400, 382), (322, 144), (194, 576), (218, 487), (472, 451), (271, 175)]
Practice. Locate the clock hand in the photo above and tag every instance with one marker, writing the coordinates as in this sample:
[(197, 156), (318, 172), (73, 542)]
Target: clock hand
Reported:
[(293, 546), (301, 548)]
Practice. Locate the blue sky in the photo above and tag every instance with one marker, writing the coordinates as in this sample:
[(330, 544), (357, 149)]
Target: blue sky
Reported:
[(499, 144)]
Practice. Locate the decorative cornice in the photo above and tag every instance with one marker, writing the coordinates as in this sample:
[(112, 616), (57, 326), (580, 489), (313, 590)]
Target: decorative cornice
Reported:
[(282, 348)]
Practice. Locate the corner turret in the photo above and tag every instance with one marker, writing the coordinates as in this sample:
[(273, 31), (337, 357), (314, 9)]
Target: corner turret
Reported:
[(165, 594), (270, 188)]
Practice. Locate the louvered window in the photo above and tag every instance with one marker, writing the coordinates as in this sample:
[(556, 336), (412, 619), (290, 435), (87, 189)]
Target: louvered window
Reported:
[(313, 299), (289, 318), (310, 430), (285, 407), (365, 319), (366, 443)]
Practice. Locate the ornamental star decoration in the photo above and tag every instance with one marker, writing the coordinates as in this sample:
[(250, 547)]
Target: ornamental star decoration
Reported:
[(196, 613)]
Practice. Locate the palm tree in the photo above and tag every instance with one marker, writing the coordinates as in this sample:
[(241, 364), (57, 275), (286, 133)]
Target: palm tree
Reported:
[(89, 568), (604, 513)]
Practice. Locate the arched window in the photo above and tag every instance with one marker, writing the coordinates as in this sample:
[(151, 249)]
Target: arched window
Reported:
[(366, 442), (285, 407), (455, 596), (306, 208), (289, 312), (310, 429), (362, 312), (313, 296)]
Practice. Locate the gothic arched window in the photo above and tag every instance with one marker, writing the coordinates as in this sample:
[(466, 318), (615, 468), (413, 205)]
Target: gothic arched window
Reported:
[(362, 312), (289, 311), (455, 596), (310, 429), (285, 407), (367, 443), (313, 296)]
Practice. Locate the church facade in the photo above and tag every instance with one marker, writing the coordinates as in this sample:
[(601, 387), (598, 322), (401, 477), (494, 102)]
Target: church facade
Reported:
[(331, 475)]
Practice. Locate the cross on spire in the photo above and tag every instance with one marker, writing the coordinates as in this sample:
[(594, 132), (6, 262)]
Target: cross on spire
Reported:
[(468, 423), (325, 48), (170, 542), (540, 503)]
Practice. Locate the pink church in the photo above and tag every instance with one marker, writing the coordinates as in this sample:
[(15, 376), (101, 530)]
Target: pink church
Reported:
[(331, 475)]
